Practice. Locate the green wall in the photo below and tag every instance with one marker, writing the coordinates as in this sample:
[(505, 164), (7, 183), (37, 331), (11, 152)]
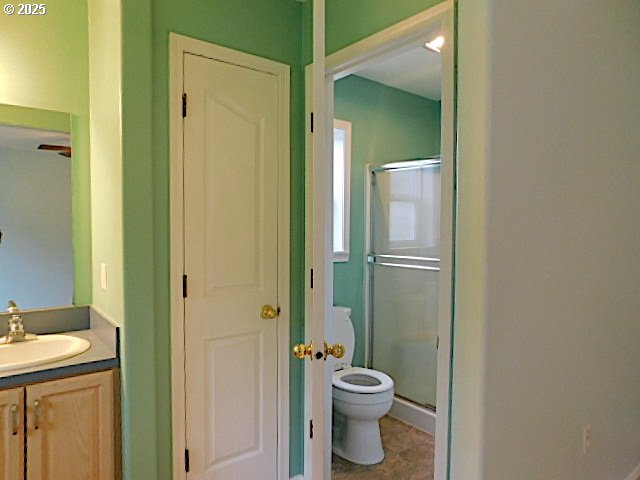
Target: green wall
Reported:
[(270, 29), (139, 381), (139, 415), (35, 118), (387, 125), (44, 65), (106, 156), (348, 21)]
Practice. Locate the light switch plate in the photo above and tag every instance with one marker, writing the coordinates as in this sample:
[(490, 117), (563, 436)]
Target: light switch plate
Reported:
[(103, 276)]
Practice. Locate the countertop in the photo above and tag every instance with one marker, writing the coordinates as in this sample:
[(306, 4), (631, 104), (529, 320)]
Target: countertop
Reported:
[(101, 355)]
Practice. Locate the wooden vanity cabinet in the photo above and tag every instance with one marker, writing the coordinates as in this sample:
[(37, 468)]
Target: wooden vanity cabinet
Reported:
[(69, 429), (12, 434)]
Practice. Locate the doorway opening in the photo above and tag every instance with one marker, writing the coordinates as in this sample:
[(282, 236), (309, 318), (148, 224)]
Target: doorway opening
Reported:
[(391, 98)]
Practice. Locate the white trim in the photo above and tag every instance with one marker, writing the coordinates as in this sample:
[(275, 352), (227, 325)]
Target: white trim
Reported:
[(308, 260), (178, 420), (415, 415), (401, 37), (365, 265), (340, 257), (447, 226), (635, 474), (323, 176), (179, 45), (318, 449), (297, 477), (344, 125)]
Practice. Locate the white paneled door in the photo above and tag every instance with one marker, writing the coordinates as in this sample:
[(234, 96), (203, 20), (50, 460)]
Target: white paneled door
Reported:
[(231, 154)]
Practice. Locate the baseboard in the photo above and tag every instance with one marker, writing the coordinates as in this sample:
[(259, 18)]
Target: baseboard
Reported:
[(414, 415), (635, 475)]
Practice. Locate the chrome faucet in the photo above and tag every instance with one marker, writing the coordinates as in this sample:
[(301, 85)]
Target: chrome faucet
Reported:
[(16, 327)]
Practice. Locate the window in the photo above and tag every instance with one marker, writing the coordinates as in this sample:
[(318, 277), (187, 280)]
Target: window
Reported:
[(414, 209), (341, 183)]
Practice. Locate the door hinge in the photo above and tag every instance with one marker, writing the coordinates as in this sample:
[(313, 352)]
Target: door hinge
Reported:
[(311, 277), (310, 428), (184, 105), (184, 286), (311, 122), (186, 460)]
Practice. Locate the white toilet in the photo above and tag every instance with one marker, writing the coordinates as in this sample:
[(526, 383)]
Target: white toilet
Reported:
[(361, 396)]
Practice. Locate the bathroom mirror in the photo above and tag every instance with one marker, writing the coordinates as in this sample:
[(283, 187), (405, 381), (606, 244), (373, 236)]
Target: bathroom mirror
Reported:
[(36, 247)]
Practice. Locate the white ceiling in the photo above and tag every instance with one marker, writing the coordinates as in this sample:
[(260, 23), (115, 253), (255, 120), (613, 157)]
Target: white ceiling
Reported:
[(417, 71), (23, 138)]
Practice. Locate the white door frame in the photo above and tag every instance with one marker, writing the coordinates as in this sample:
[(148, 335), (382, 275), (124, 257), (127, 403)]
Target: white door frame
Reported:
[(401, 37), (179, 46), (318, 255)]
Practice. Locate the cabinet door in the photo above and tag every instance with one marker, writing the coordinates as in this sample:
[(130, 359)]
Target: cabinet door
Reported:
[(12, 434), (70, 428)]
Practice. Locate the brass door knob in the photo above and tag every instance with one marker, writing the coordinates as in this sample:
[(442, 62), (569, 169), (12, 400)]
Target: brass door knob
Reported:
[(267, 312), (337, 350), (301, 350)]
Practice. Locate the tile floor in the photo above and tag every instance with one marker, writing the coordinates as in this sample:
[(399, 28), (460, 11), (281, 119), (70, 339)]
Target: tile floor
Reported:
[(409, 455)]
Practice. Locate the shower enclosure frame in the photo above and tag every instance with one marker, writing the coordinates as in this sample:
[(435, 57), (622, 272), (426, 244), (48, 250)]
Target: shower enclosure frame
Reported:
[(367, 264), (420, 416)]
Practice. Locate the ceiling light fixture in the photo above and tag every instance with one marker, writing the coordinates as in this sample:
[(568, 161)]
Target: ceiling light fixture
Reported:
[(436, 44)]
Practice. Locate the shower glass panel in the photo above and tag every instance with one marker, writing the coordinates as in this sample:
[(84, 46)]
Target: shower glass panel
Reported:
[(404, 276)]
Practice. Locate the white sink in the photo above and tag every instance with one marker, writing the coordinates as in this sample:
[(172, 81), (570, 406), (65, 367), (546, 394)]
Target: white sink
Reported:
[(44, 349)]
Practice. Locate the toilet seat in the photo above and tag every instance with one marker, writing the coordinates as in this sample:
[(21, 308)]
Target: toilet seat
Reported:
[(360, 397), (361, 380)]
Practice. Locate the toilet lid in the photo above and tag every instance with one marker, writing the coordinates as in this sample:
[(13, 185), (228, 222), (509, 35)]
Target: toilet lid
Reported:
[(361, 380), (342, 332)]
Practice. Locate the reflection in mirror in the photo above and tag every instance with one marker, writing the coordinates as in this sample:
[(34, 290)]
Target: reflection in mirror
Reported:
[(36, 253)]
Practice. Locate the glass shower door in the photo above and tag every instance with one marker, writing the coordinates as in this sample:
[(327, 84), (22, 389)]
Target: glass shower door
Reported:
[(404, 276)]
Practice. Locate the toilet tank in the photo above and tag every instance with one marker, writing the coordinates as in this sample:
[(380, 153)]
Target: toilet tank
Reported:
[(342, 332)]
